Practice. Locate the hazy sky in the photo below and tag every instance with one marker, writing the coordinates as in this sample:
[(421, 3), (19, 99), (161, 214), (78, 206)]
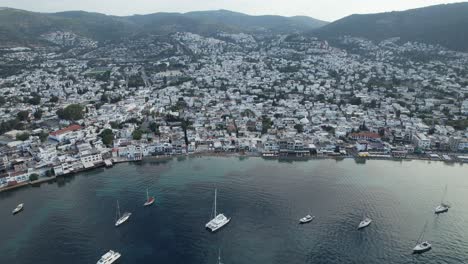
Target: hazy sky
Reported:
[(322, 9)]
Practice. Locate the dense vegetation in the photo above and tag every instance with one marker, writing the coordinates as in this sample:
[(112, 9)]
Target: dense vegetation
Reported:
[(446, 25), (72, 112), (18, 26)]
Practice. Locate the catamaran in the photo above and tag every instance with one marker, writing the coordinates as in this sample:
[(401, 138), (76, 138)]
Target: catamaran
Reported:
[(219, 220), (306, 219), (121, 219), (365, 223), (422, 247), (149, 200), (443, 207), (18, 208), (109, 258)]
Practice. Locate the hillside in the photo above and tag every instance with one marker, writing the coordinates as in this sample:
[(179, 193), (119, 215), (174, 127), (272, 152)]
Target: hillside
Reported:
[(24, 27), (446, 25)]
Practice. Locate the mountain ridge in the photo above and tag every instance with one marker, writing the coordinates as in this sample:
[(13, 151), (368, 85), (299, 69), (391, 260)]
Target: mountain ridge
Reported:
[(445, 25), (26, 27)]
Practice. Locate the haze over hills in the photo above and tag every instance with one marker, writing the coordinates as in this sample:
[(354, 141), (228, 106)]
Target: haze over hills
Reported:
[(23, 27), (446, 25)]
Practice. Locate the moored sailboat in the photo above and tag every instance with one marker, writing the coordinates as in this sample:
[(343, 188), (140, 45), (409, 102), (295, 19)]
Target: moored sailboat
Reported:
[(149, 200), (219, 220), (121, 218)]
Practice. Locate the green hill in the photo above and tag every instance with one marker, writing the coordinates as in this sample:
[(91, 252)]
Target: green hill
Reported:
[(24, 27), (446, 25)]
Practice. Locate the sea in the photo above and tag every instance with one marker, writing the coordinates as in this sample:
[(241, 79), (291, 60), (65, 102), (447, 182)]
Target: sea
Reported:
[(72, 219)]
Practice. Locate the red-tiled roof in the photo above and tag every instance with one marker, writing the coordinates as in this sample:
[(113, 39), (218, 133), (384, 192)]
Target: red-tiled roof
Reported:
[(65, 130), (365, 135)]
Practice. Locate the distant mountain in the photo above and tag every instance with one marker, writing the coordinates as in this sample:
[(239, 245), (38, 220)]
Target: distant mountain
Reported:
[(24, 27), (446, 25)]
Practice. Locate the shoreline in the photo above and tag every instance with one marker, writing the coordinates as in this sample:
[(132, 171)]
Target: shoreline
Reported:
[(226, 155)]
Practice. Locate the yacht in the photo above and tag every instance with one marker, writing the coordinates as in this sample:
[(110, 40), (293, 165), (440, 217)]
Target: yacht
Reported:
[(422, 247), (121, 218), (109, 257), (18, 208), (306, 219), (365, 223), (218, 221), (443, 207), (149, 200)]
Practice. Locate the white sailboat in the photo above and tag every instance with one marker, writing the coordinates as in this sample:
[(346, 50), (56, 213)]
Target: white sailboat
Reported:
[(121, 219), (422, 247), (365, 223), (18, 208), (149, 200), (219, 220), (306, 219), (443, 207)]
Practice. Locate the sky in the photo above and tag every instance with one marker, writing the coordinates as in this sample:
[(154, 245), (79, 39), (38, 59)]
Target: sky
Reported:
[(328, 10)]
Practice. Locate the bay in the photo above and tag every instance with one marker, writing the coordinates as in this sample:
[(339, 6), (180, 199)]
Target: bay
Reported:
[(72, 220)]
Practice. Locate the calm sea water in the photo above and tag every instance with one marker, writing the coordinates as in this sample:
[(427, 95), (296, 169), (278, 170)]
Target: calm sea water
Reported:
[(72, 220)]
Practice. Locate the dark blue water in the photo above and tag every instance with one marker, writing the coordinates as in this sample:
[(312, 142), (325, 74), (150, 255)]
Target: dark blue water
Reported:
[(72, 220)]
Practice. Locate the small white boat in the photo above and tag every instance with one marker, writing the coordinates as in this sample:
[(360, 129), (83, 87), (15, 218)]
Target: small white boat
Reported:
[(365, 223), (218, 221), (306, 219), (18, 208), (422, 247), (121, 218), (443, 207), (149, 200), (109, 258)]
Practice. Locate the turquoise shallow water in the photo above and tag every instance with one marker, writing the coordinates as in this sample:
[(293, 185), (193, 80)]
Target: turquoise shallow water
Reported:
[(72, 220)]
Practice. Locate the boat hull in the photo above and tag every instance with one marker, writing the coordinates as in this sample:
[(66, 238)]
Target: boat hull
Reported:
[(123, 219), (214, 228), (441, 210), (18, 209), (149, 202), (419, 249)]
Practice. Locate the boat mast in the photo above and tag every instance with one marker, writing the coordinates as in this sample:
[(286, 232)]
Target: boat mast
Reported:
[(216, 192), (147, 196), (422, 233), (219, 256), (118, 209)]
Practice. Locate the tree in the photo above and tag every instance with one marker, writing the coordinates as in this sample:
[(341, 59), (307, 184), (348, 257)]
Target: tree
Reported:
[(54, 99), (266, 124), (23, 136), (22, 115), (43, 136), (107, 137), (137, 134), (72, 112), (38, 114), (154, 128), (35, 100), (299, 128), (2, 100), (186, 124), (33, 177)]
